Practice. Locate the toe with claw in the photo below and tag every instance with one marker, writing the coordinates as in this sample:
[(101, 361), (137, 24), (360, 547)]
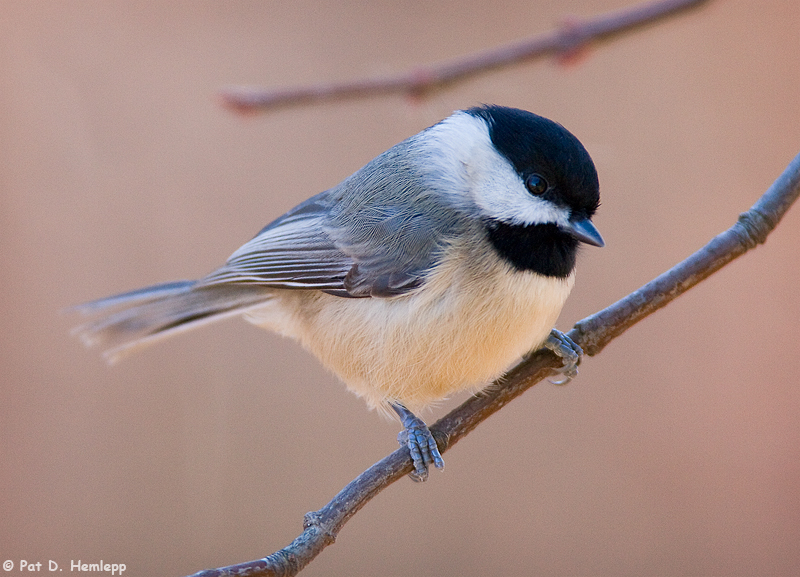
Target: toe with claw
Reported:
[(420, 442), (568, 350)]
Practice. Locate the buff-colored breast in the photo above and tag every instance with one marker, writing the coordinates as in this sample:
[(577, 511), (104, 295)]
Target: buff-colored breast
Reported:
[(473, 318)]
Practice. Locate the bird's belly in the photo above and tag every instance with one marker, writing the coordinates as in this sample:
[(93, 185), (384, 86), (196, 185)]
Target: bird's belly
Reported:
[(419, 348)]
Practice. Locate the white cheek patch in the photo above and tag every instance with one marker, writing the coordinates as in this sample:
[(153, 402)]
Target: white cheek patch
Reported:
[(500, 193), (476, 166)]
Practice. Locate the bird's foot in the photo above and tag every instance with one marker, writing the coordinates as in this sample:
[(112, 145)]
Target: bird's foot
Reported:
[(568, 350), (420, 442)]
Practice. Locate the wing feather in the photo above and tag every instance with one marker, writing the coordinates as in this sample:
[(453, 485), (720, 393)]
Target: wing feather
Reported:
[(378, 233), (292, 252)]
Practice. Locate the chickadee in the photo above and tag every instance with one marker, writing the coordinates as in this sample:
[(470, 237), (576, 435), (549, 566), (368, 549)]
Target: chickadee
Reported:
[(427, 272)]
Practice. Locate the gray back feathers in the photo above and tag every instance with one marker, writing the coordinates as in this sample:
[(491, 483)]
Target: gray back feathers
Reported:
[(375, 234)]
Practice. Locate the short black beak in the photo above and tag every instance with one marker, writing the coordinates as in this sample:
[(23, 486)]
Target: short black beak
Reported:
[(583, 230)]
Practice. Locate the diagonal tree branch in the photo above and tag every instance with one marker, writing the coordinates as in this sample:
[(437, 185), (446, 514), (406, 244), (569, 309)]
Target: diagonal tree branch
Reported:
[(591, 333), (571, 37)]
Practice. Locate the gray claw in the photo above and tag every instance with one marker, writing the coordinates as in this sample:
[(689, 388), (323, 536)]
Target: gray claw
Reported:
[(568, 350), (420, 442)]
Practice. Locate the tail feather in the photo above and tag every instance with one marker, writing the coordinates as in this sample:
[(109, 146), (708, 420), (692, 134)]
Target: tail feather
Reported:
[(137, 296), (131, 320)]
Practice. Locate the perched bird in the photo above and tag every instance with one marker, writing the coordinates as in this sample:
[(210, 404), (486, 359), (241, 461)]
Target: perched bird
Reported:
[(427, 272)]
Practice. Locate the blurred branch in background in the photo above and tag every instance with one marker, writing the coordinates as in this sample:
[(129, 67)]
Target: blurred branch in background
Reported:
[(592, 333), (570, 39)]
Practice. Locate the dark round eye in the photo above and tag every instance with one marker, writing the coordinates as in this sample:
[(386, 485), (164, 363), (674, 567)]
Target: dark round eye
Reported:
[(536, 184)]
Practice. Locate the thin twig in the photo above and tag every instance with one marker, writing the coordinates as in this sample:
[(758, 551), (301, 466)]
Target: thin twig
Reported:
[(573, 35), (592, 333)]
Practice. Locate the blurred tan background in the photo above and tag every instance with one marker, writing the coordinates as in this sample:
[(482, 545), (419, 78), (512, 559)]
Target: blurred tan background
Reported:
[(675, 452)]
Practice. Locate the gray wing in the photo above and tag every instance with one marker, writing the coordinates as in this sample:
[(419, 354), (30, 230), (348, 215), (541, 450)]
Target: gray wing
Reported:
[(390, 217), (369, 236), (291, 252)]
